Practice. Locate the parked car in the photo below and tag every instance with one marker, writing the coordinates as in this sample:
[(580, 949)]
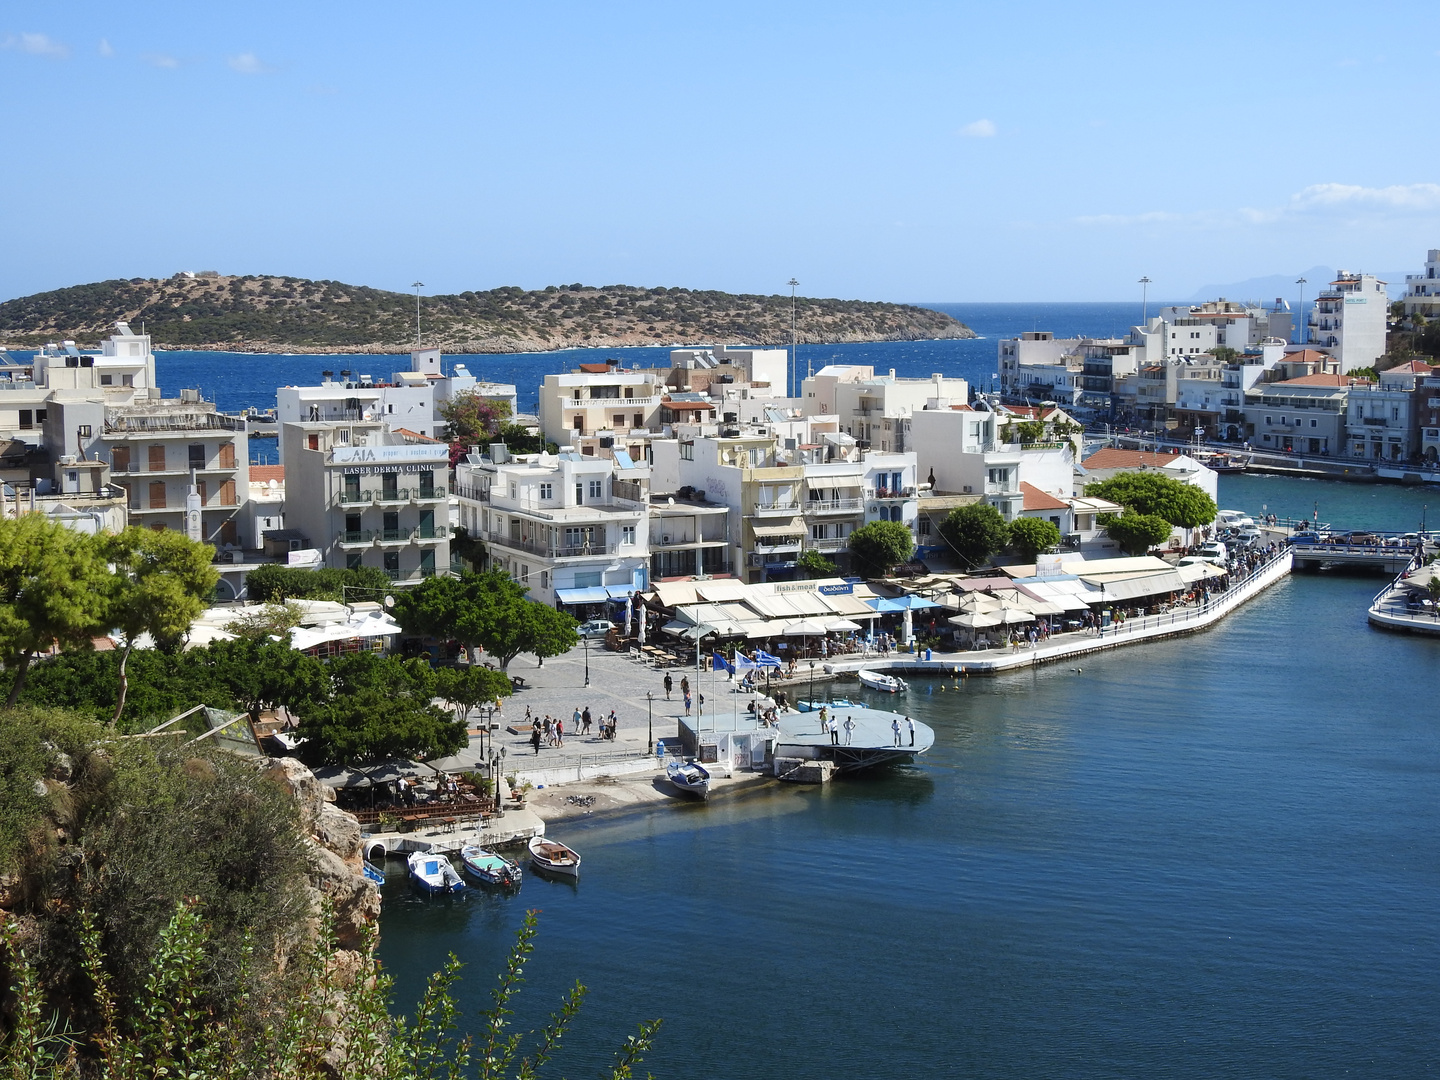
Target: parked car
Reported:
[(595, 628), (1214, 552)]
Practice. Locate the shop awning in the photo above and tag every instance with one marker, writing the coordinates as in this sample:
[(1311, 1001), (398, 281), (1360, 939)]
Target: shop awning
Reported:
[(794, 527), (1138, 586), (595, 595), (838, 483), (619, 592)]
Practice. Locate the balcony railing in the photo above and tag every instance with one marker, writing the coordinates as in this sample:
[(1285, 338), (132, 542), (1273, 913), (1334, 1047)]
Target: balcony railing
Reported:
[(830, 543), (475, 494), (834, 506), (774, 509), (353, 537), (552, 551), (890, 493), (399, 495)]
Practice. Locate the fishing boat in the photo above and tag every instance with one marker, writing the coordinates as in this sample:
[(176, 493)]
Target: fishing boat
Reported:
[(690, 777), (488, 867), (433, 872), (838, 703), (373, 873), (888, 684), (553, 857)]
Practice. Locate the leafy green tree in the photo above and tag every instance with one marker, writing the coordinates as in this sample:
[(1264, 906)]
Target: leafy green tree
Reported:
[(878, 547), (161, 685), (1224, 354), (1151, 494), (162, 582), (467, 688), (264, 622), (54, 589), (487, 611), (369, 726), (264, 674), (815, 565), (975, 533), (1137, 533), (272, 583), (470, 548), (1030, 536)]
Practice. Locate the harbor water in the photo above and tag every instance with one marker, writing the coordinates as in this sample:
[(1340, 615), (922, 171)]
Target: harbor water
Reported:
[(1217, 855)]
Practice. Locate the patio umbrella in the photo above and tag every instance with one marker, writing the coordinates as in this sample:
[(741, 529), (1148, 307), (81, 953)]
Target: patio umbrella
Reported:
[(974, 620), (338, 776), (805, 628), (977, 601), (840, 626), (387, 772), (1010, 614)]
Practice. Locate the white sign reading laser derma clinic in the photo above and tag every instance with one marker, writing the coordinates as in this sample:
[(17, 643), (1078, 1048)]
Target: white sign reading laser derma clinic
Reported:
[(380, 455)]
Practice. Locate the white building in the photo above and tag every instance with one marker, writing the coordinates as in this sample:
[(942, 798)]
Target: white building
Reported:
[(574, 529), (364, 495), (599, 398), (1039, 366), (1349, 320), (874, 408), (1422, 291)]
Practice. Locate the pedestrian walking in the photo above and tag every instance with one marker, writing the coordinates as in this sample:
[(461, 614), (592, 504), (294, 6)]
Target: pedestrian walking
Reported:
[(687, 702), (585, 721), (669, 684), (849, 729), (535, 736), (560, 731), (895, 730), (823, 721), (685, 684), (910, 724)]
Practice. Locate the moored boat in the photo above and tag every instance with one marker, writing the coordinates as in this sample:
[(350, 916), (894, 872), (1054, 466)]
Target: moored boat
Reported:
[(690, 777), (433, 872), (838, 703), (373, 873), (491, 869), (888, 684), (553, 857)]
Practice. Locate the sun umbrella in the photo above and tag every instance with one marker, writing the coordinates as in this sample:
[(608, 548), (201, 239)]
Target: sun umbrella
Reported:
[(805, 628), (979, 602), (974, 620), (1010, 614), (840, 626), (389, 771)]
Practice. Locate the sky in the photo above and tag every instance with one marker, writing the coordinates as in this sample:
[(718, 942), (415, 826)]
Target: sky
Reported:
[(899, 151)]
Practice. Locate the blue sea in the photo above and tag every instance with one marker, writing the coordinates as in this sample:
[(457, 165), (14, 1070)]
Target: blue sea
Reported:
[(1217, 856)]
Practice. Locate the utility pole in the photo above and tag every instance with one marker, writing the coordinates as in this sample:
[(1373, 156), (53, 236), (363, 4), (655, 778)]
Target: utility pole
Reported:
[(1301, 312), (794, 355), (417, 286), (1144, 300)]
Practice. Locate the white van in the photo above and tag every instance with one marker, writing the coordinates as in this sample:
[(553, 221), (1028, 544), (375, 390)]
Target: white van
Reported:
[(1233, 519), (1214, 552)]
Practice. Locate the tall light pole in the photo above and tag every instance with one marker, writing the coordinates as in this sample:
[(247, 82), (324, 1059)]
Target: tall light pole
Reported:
[(1301, 312), (1144, 300), (794, 354), (417, 286), (650, 715), (586, 640)]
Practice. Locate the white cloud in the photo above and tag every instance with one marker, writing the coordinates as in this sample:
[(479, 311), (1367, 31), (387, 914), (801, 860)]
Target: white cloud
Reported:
[(161, 60), (36, 45), (105, 47), (248, 64), (1395, 197), (980, 129)]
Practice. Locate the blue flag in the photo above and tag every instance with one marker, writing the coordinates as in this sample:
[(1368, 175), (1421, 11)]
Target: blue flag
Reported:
[(721, 662)]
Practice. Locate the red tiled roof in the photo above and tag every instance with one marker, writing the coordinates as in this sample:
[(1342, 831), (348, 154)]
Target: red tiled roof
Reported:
[(1414, 367), (261, 474), (1306, 356), (1320, 379), (594, 369), (1035, 499), (1111, 458), (415, 435)]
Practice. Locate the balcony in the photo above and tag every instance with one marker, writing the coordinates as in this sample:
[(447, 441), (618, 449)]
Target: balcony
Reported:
[(779, 545), (474, 494), (393, 536), (356, 537), (351, 497), (552, 551), (834, 506), (399, 495), (830, 544), (787, 509), (891, 493)]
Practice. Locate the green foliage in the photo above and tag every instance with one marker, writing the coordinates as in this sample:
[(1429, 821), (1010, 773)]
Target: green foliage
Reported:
[(815, 565), (1137, 533), (488, 611), (32, 742), (1031, 536), (521, 440), (310, 1023), (1025, 431), (473, 420), (264, 622), (271, 583), (470, 548), (264, 674), (1154, 495), (54, 588), (877, 548), (162, 685), (1224, 354), (975, 533), (379, 708), (467, 688)]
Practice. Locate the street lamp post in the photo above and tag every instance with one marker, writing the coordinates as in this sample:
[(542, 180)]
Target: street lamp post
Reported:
[(1144, 300), (650, 716), (1301, 313), (417, 286), (794, 352), (812, 684), (586, 640)]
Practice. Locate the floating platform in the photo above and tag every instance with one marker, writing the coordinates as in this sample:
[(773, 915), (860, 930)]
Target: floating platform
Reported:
[(872, 741)]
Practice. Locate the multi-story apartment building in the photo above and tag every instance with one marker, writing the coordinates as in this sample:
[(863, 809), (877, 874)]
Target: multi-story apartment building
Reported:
[(1349, 320), (717, 370), (1384, 418), (689, 536), (409, 399), (122, 372), (364, 495), (574, 529), (961, 453), (600, 398), (1427, 417), (1305, 415), (1038, 366), (1422, 291), (874, 408), (1107, 364)]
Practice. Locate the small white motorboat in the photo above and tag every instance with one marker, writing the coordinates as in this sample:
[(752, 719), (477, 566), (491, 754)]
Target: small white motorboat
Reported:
[(488, 867), (553, 857), (888, 684), (433, 872), (690, 777)]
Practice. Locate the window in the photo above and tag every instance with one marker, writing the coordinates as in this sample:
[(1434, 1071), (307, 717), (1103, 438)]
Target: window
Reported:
[(202, 491), (924, 526), (1314, 422), (27, 419), (312, 441), (544, 579), (619, 419), (106, 378), (157, 459), (579, 535), (157, 495), (227, 494), (427, 562), (639, 420), (1269, 420), (687, 451), (120, 459), (390, 485), (1395, 413), (227, 455), (39, 416), (597, 489), (627, 534), (127, 380), (547, 492), (427, 485), (195, 459), (392, 563), (352, 490), (83, 431), (354, 561), (579, 494)]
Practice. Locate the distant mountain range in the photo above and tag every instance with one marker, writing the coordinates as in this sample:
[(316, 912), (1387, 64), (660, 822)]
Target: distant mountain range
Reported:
[(1266, 289), (287, 314)]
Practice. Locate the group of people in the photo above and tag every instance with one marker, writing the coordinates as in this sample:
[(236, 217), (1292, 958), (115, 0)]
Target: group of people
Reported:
[(831, 724), (684, 692), (550, 730)]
